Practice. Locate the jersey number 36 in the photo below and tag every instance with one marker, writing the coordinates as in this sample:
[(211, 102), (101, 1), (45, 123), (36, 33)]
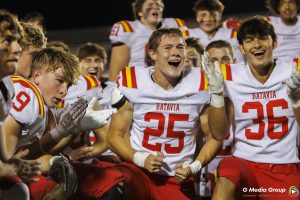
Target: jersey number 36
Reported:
[(271, 119)]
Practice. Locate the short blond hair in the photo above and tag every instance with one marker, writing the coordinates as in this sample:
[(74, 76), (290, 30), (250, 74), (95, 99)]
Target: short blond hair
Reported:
[(50, 59), (33, 36)]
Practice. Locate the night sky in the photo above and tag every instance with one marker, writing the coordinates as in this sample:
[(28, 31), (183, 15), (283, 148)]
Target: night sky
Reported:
[(66, 14)]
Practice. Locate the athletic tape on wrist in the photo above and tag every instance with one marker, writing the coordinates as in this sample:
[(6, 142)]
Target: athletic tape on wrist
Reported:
[(139, 158), (217, 100), (194, 166)]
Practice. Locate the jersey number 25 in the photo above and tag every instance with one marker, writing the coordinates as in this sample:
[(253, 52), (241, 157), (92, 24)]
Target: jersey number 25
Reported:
[(172, 118)]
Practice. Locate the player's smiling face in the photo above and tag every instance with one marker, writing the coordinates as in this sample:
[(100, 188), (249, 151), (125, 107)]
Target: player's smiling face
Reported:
[(208, 21), (151, 12), (258, 50), (170, 57), (288, 9), (92, 65)]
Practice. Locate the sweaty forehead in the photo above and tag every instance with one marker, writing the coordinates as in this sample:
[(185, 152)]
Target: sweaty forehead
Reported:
[(170, 38)]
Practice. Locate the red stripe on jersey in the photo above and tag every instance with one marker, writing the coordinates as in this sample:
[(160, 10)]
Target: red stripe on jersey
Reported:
[(129, 26), (88, 82), (228, 72), (202, 81), (97, 82), (124, 78), (133, 77)]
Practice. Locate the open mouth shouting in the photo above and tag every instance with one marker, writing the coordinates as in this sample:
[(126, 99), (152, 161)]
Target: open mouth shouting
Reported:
[(259, 54), (93, 72), (174, 63)]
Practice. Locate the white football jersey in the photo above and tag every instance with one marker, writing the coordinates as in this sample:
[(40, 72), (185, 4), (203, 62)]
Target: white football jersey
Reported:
[(6, 94), (288, 38), (164, 120), (226, 34), (105, 101), (135, 35), (29, 109), (264, 126), (88, 86)]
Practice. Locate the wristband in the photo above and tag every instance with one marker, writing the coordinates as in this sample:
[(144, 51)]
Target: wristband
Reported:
[(217, 100), (194, 166), (139, 158)]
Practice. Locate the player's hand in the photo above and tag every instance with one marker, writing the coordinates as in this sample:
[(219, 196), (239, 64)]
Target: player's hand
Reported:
[(181, 172), (62, 171), (94, 119), (25, 169), (293, 86), (69, 119), (153, 163), (81, 153), (213, 74)]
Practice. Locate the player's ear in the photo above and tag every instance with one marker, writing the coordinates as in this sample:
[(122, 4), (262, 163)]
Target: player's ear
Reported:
[(152, 54), (140, 14), (241, 49), (36, 76)]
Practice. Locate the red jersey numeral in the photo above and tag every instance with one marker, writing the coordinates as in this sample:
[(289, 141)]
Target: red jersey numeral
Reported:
[(23, 99), (283, 120), (172, 118)]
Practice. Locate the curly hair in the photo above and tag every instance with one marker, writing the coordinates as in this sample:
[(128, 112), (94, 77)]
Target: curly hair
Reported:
[(33, 36)]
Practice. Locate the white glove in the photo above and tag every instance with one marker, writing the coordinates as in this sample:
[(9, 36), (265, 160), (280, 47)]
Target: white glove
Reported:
[(293, 86), (117, 98), (215, 81), (95, 119), (213, 74)]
